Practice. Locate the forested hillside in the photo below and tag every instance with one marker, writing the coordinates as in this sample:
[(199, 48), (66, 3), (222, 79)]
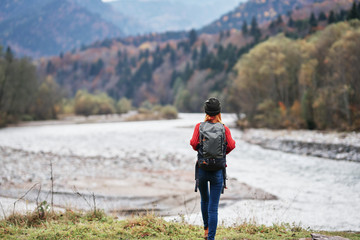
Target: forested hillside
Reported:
[(182, 72), (265, 10), (284, 81), (269, 10)]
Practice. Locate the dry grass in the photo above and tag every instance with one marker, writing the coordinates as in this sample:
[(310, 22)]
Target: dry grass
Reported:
[(96, 225)]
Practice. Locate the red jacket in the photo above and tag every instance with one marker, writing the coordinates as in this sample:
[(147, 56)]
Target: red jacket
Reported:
[(194, 142)]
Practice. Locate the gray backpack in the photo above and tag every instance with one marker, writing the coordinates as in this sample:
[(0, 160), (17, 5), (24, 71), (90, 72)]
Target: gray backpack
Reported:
[(212, 140), (212, 150)]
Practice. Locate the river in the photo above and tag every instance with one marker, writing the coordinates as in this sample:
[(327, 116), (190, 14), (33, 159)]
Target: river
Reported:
[(312, 192)]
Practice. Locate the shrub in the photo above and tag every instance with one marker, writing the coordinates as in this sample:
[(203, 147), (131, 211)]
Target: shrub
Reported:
[(269, 115), (89, 104), (67, 106), (105, 104), (169, 112), (124, 105), (84, 103)]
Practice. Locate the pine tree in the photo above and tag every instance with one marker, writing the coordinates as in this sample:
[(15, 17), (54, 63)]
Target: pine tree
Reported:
[(172, 56), (133, 62), (279, 20), (194, 55), (255, 31), (167, 48), (174, 75), (187, 47), (203, 51), (75, 66), (331, 18), (244, 28), (50, 68), (342, 15), (322, 16), (188, 72), (221, 35), (125, 56), (312, 21), (272, 25), (220, 53), (96, 67), (119, 67), (254, 26), (9, 56), (157, 60), (192, 37), (291, 22), (353, 14), (228, 33), (143, 74), (157, 51), (141, 55)]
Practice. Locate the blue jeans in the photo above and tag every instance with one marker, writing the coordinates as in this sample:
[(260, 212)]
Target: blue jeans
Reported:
[(210, 202)]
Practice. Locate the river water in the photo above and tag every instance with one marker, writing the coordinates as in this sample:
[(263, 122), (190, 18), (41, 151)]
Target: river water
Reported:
[(313, 192)]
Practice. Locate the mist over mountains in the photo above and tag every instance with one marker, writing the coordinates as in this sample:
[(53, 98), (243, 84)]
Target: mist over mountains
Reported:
[(174, 15), (38, 28), (47, 27)]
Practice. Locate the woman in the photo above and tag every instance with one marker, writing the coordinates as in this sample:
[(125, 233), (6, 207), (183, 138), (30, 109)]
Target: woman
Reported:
[(210, 202)]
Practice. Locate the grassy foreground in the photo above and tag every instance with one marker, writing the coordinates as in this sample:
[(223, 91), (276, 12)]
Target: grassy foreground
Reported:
[(96, 225)]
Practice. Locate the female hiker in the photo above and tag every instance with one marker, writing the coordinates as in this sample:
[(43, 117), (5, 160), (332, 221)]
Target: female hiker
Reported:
[(212, 140)]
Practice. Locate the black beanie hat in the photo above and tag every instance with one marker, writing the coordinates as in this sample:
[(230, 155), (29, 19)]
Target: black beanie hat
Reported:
[(212, 106)]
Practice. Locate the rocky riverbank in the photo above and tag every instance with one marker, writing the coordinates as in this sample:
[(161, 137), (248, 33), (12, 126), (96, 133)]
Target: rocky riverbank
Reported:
[(132, 183), (332, 145), (134, 167)]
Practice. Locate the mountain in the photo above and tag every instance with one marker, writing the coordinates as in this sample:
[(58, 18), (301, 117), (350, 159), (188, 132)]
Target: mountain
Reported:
[(180, 68), (174, 15), (48, 27), (263, 10), (10, 9), (128, 24)]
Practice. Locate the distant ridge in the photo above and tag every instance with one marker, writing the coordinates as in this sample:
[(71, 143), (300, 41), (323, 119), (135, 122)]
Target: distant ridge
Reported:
[(263, 10)]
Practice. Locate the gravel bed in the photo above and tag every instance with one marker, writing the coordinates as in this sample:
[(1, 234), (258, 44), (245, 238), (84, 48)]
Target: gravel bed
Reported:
[(332, 145)]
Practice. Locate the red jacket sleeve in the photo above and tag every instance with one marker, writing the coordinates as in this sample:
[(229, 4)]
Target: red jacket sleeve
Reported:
[(194, 142), (230, 141)]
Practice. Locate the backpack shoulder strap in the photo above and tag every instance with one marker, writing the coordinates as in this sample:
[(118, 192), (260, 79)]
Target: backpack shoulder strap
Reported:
[(201, 131)]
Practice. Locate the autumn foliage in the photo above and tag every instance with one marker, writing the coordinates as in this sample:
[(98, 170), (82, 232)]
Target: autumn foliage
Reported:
[(308, 83)]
